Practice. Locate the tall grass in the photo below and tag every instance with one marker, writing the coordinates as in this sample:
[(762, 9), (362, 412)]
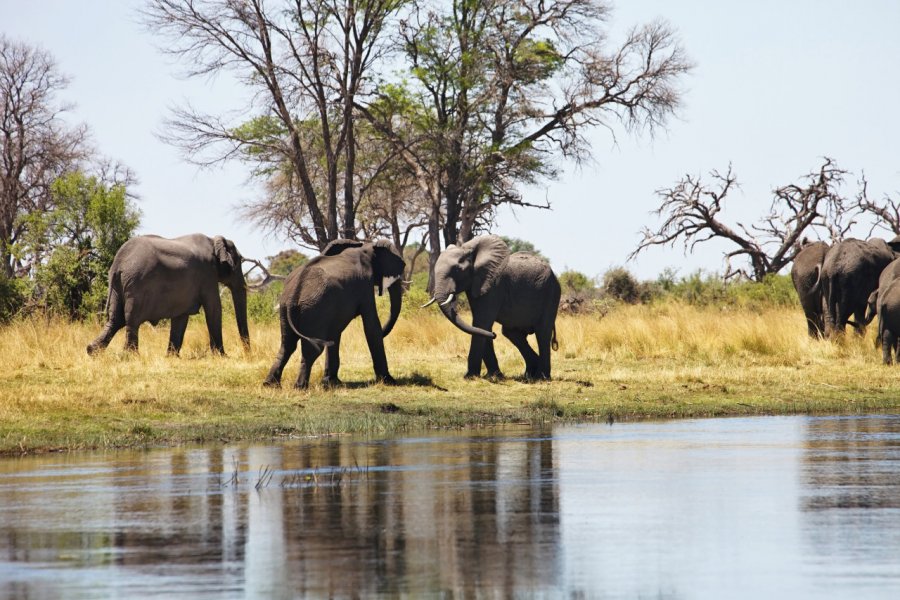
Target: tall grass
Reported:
[(663, 359)]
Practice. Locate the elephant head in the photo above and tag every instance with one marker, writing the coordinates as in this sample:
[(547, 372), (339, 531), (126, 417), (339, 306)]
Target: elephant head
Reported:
[(473, 268), (231, 275), (387, 271)]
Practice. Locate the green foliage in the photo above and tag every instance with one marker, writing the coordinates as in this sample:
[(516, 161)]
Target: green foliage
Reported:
[(575, 282), (520, 245), (262, 306), (620, 284), (13, 295), (709, 289), (76, 242), (286, 261)]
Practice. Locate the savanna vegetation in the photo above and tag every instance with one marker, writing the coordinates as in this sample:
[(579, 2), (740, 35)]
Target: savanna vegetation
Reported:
[(413, 122), (698, 347)]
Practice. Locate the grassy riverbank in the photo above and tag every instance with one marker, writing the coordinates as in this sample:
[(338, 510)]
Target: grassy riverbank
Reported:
[(659, 361)]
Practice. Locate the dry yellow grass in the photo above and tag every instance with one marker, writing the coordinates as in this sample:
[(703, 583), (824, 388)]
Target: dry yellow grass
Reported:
[(668, 360)]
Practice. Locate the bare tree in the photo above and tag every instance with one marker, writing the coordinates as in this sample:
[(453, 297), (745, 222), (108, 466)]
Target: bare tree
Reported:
[(307, 62), (36, 145), (692, 214), (502, 88), (886, 212)]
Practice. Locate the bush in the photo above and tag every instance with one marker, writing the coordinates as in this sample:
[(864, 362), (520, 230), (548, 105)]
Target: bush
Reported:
[(13, 295), (619, 284), (575, 282), (705, 289), (262, 305)]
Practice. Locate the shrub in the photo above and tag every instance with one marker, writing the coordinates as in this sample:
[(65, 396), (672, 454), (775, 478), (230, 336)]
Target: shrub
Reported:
[(13, 295), (575, 282), (619, 284)]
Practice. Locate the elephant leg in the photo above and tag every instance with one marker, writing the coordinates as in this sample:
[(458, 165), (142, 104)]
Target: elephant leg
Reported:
[(544, 343), (114, 322), (310, 352), (332, 363), (520, 340), (109, 330), (859, 316), (375, 341), (490, 360), (131, 337), (176, 334), (288, 346), (888, 345), (212, 310)]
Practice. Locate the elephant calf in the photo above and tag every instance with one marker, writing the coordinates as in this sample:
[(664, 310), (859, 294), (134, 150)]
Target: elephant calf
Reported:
[(322, 297), (154, 278)]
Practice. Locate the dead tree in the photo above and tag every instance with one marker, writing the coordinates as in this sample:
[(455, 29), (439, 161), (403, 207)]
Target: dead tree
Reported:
[(886, 212), (693, 214)]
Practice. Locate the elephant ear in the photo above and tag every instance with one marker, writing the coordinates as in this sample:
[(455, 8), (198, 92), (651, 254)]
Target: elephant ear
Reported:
[(337, 246), (223, 256), (895, 244), (490, 255), (390, 261)]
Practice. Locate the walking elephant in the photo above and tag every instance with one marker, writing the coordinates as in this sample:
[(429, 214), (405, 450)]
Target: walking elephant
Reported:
[(888, 309), (519, 291), (804, 273), (154, 278), (322, 297), (848, 276)]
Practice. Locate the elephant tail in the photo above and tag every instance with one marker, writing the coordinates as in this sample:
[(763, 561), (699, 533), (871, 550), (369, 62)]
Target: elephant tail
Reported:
[(818, 284), (115, 307), (554, 344), (314, 341)]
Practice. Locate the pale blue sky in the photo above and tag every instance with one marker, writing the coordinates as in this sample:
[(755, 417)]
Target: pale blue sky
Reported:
[(777, 85)]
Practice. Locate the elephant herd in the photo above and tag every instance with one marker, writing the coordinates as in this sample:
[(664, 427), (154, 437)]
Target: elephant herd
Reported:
[(153, 278), (852, 278)]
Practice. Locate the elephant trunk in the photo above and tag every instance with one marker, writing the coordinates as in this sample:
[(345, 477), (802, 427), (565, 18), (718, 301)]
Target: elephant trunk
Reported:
[(449, 310), (396, 295), (239, 296)]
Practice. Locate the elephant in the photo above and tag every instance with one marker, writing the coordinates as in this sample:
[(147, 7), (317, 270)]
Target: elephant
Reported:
[(322, 297), (887, 301), (848, 276), (518, 290), (154, 278), (804, 273)]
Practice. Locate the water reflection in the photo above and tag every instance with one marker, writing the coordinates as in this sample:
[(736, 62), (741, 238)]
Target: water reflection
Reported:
[(337, 518), (790, 507)]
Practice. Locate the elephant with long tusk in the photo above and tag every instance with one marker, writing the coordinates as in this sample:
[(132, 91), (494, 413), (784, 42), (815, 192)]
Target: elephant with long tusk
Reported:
[(519, 291)]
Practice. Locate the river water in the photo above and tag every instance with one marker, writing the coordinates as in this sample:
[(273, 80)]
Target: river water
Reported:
[(784, 507)]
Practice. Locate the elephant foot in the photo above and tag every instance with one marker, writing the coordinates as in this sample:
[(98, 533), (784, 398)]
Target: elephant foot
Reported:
[(472, 376), (331, 382), (272, 383), (386, 379), (496, 375), (92, 349), (536, 376)]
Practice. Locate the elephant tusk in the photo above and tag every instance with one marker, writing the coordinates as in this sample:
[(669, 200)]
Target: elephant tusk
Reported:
[(447, 301), (430, 302)]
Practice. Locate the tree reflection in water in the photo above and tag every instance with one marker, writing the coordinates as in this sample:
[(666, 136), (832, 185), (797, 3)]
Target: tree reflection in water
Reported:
[(455, 514)]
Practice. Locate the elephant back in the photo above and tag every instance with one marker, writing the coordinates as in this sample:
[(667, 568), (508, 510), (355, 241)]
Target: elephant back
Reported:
[(526, 270), (807, 264)]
